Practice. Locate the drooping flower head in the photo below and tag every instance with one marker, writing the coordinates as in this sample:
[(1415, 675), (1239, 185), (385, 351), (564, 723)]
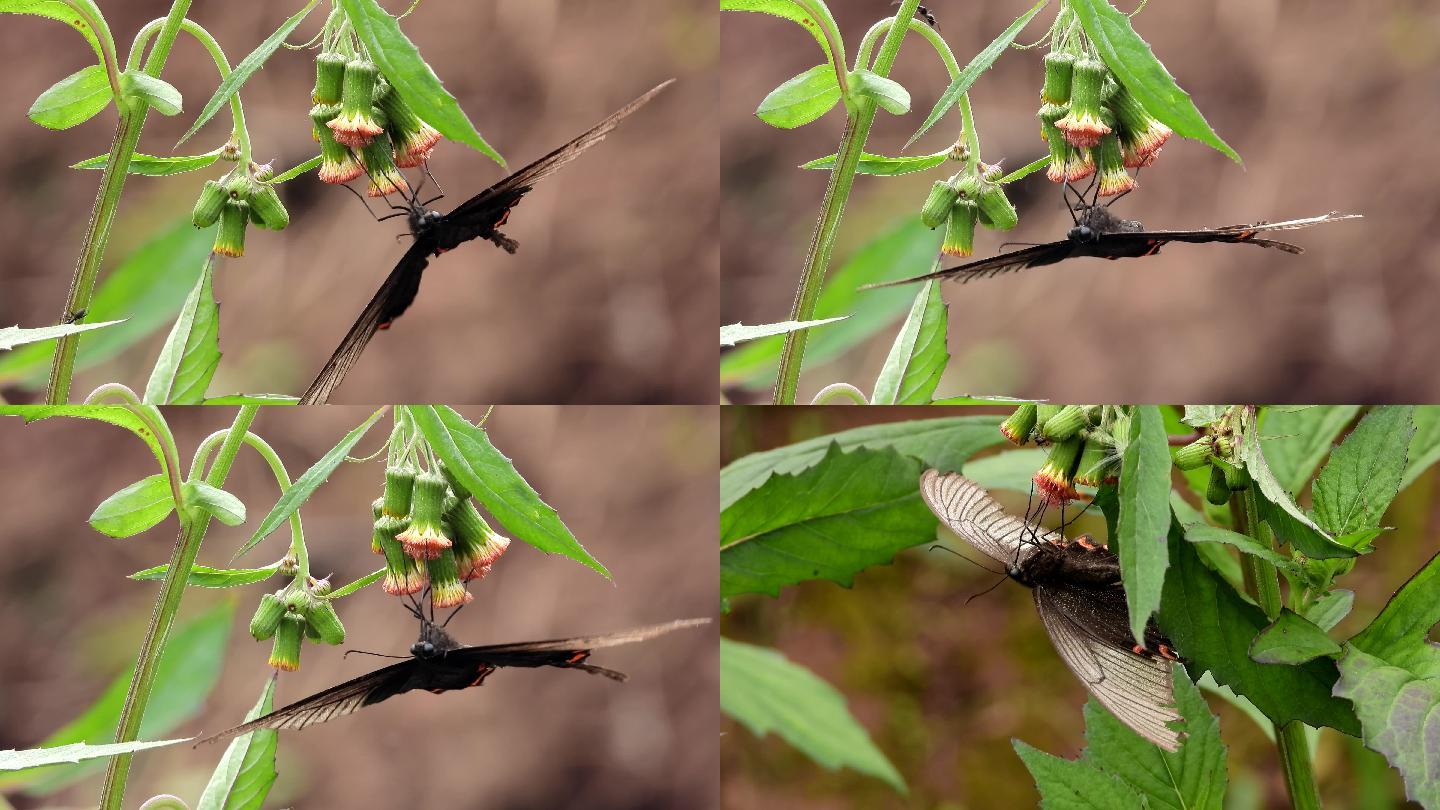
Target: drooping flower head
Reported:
[(1084, 125), (426, 537), (337, 164), (356, 126)]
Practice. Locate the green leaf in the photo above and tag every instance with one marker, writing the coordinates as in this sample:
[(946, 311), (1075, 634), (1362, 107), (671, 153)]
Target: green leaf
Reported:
[(145, 291), (1192, 778), (300, 491), (203, 576), (739, 332), (111, 414), (151, 166), (883, 166), (1212, 626), (157, 93), (82, 15), (363, 582), (12, 760), (188, 671), (888, 93), (1398, 712), (1363, 474), (1329, 609), (1129, 57), (247, 67), (242, 778), (1205, 533), (135, 508), (800, 100), (74, 99), (12, 336), (918, 356), (981, 63), (252, 399), (1012, 469), (1400, 634), (765, 692), (1425, 447), (188, 360), (1025, 171), (788, 10), (848, 512), (494, 481), (1297, 439), (225, 507), (400, 61), (1075, 784), (1278, 509), (1144, 515), (1291, 639), (906, 250), (981, 399), (945, 444), (1203, 415)]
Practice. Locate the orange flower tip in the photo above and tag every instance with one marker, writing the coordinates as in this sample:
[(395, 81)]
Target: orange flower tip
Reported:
[(451, 596), (957, 251), (337, 173), (1113, 183)]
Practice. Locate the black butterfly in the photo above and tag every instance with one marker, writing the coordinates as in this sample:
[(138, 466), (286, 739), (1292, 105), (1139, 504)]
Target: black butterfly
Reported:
[(1101, 234), (1080, 599), (435, 233), (440, 664)]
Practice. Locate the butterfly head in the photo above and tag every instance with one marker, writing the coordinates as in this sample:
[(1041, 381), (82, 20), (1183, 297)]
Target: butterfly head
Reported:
[(433, 641), (1095, 221), (422, 219)]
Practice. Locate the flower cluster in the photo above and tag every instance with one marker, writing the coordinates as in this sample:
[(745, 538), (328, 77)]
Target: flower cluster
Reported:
[(1092, 123), (963, 201), (235, 201), (430, 532), (1084, 450), (293, 614)]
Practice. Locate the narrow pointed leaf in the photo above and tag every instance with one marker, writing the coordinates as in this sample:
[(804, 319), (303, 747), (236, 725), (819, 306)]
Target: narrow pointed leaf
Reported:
[(152, 166), (1144, 515), (739, 332), (918, 356), (191, 354), (12, 336), (884, 166), (203, 576), (12, 760), (242, 778)]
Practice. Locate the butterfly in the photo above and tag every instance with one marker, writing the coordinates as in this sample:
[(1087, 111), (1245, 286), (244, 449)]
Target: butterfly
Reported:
[(1102, 234), (479, 217), (1081, 602), (439, 663)]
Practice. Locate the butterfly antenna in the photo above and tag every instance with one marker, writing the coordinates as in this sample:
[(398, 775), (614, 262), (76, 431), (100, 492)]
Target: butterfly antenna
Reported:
[(975, 596), (942, 547)]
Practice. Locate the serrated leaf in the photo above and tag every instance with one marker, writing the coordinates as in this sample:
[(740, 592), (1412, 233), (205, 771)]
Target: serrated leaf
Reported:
[(788, 10), (492, 478), (888, 93), (846, 513), (12, 336), (223, 506), (144, 291), (13, 760), (191, 353), (152, 166), (242, 72), (203, 576), (74, 99), (1425, 446), (1329, 609), (1278, 509), (918, 356), (1400, 634), (1129, 57), (1291, 639), (765, 692), (134, 509), (800, 100), (978, 65), (884, 166), (1075, 784), (1363, 474), (945, 444), (300, 491), (157, 93), (1200, 416), (409, 75), (739, 332), (1400, 718), (1144, 515), (1297, 439), (242, 778), (82, 15), (1212, 626)]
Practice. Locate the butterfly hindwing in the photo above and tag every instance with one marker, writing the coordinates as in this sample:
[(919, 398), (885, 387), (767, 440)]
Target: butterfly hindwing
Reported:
[(969, 511)]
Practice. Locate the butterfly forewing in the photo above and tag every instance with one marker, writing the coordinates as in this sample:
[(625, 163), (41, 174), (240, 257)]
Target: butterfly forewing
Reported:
[(969, 511), (337, 701)]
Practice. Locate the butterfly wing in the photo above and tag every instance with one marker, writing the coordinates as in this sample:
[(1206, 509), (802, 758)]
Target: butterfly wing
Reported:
[(389, 303), (1089, 628), (337, 701), (1145, 243), (567, 652), (969, 511), (488, 209), (1033, 256)]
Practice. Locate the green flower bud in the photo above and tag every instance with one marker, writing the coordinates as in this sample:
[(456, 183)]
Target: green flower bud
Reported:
[(209, 205), (337, 164), (1056, 477), (476, 546), (1065, 423), (399, 488), (326, 623), (1018, 426), (1059, 68), (1084, 126), (996, 211), (1066, 162), (1237, 478), (379, 162), (1097, 465), (285, 654), (1196, 454), (266, 205), (267, 617), (230, 239), (402, 574), (446, 589), (426, 537), (960, 229), (355, 126), (329, 77), (1217, 493), (1114, 179), (413, 139), (1141, 136), (937, 206), (1045, 410)]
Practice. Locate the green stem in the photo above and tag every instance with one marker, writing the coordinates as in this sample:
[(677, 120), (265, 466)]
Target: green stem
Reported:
[(832, 210), (153, 420), (102, 217), (167, 604), (837, 390), (239, 132), (282, 477)]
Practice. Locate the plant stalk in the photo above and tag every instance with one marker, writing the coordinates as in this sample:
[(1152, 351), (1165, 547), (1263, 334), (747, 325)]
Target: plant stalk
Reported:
[(832, 210), (102, 217), (162, 619)]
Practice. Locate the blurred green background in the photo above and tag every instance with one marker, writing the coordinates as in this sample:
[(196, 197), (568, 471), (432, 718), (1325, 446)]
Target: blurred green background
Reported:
[(943, 685), (635, 485)]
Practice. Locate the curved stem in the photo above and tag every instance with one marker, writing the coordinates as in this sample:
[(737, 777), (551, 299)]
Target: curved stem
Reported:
[(832, 210), (193, 524), (155, 423), (282, 477), (837, 44), (107, 47), (102, 217), (835, 390), (239, 132)]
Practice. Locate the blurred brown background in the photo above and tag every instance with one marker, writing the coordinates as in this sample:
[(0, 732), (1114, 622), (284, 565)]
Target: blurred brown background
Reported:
[(637, 487), (617, 269), (1332, 106), (943, 686)]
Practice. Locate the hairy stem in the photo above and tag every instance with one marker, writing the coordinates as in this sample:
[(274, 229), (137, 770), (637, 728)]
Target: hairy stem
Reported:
[(102, 217), (840, 390), (162, 619)]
